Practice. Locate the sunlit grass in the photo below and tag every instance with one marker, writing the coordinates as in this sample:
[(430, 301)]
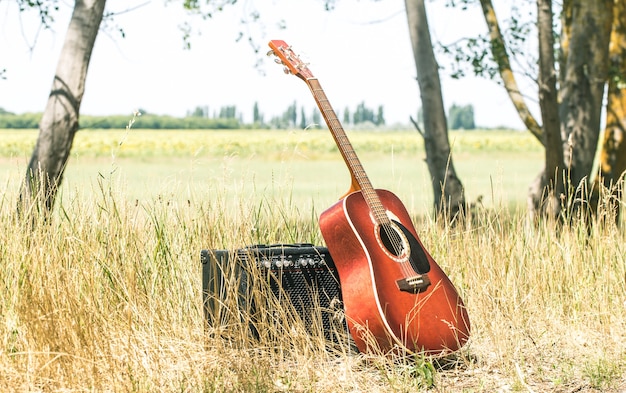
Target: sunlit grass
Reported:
[(106, 296), (279, 144), (494, 166)]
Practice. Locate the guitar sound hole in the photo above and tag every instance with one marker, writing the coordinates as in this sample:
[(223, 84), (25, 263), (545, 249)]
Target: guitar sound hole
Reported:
[(392, 239)]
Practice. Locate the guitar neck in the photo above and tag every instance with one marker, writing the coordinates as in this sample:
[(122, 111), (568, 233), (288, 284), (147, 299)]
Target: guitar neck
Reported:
[(360, 181)]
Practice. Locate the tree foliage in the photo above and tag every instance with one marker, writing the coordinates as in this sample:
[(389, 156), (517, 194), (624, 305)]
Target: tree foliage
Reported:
[(363, 114), (45, 8), (461, 117)]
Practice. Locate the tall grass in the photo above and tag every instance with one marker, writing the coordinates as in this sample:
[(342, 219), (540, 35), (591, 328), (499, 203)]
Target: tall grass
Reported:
[(106, 296)]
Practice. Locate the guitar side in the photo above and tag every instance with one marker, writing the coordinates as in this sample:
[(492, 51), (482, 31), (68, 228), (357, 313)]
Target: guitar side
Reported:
[(380, 316)]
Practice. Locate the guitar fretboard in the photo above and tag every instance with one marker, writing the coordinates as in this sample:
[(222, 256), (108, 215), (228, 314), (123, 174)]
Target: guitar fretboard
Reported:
[(347, 152)]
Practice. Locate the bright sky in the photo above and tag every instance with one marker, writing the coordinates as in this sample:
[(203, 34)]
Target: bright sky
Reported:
[(361, 51)]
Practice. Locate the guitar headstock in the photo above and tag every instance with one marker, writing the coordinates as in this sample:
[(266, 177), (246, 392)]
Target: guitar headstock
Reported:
[(287, 57)]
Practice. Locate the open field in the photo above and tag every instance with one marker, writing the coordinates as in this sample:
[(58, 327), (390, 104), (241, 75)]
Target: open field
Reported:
[(304, 164), (106, 296)]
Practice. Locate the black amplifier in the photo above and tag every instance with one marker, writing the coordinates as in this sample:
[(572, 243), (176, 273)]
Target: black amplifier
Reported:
[(300, 278)]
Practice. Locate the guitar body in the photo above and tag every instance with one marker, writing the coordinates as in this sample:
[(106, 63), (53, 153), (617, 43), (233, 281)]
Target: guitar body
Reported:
[(380, 316)]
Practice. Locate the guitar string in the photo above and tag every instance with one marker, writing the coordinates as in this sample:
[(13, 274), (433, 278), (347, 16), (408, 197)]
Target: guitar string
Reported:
[(355, 166), (368, 192), (358, 173)]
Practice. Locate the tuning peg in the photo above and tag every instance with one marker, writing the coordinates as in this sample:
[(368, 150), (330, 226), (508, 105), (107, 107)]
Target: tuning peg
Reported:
[(286, 70), (271, 52), (278, 61)]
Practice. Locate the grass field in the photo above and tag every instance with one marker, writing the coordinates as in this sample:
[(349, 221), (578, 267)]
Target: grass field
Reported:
[(305, 165), (107, 295)]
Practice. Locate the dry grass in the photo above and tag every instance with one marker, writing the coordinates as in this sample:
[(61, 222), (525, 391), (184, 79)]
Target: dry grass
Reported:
[(107, 297)]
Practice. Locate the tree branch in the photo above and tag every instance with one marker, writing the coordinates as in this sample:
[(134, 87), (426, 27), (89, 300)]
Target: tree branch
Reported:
[(501, 57), (417, 127)]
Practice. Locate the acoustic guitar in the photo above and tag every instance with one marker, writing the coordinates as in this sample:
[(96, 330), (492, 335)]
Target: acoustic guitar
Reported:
[(396, 298)]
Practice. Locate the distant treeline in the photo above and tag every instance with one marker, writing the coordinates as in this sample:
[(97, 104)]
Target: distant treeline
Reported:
[(229, 117), (147, 121)]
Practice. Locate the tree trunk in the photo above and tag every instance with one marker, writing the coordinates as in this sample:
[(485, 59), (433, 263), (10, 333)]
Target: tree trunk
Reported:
[(566, 33), (583, 68), (583, 59), (610, 181), (545, 193), (60, 118), (582, 89), (447, 188)]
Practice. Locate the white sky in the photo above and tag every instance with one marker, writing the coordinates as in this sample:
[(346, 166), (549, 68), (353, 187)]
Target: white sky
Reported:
[(359, 52)]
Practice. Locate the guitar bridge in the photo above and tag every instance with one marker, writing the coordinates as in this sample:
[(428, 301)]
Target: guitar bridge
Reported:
[(414, 284)]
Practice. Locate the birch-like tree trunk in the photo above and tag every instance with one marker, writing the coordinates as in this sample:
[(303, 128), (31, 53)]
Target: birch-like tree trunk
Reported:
[(448, 190), (608, 186), (501, 57), (60, 118)]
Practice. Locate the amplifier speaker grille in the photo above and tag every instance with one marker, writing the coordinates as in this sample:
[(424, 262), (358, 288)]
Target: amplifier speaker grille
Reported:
[(300, 279)]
